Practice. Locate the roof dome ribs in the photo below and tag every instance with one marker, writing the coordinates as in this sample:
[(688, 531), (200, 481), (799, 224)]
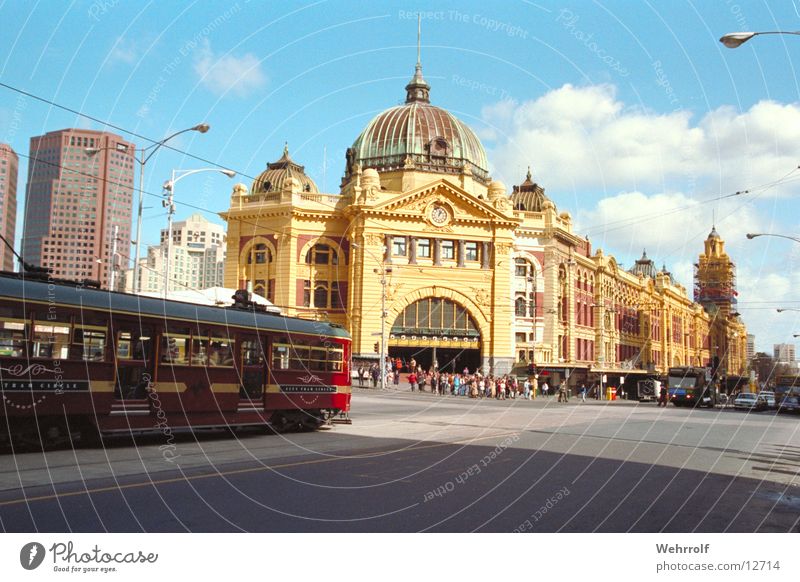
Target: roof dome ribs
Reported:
[(421, 136)]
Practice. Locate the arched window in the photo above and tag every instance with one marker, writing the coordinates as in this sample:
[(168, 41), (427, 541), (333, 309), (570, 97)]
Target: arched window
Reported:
[(321, 254), (259, 254), (519, 307), (321, 296)]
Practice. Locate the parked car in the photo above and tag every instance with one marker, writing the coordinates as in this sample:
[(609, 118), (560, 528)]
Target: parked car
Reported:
[(790, 404), (769, 397), (750, 401)]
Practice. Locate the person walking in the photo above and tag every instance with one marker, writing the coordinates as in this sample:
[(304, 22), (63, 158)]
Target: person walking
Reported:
[(583, 392), (412, 380), (375, 373), (526, 389), (362, 376), (662, 398), (545, 389)]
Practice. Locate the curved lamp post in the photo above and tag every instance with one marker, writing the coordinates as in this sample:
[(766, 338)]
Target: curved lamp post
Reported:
[(144, 155), (169, 204), (383, 271), (751, 235), (736, 39)]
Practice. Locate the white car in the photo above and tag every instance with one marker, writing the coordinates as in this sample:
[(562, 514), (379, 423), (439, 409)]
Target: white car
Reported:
[(750, 401), (769, 397)]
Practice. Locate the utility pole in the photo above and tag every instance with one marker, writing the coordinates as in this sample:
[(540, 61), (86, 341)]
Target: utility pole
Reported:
[(112, 278)]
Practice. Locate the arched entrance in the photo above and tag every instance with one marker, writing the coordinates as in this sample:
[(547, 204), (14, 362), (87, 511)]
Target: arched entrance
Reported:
[(436, 331)]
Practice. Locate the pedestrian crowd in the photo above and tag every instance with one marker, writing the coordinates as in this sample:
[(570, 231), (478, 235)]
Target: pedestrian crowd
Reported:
[(470, 384)]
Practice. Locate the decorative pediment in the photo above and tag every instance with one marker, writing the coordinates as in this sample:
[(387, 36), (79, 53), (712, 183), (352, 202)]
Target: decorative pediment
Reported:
[(443, 203)]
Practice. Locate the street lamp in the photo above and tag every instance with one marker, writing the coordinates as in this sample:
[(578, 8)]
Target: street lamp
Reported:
[(144, 156), (751, 236), (736, 39), (382, 272), (169, 204)]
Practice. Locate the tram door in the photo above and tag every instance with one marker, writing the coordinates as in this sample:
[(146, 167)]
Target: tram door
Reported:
[(134, 348), (254, 368)]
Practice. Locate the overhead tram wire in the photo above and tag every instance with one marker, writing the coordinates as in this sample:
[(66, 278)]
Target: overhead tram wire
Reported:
[(276, 231), (624, 222), (590, 229), (107, 124)]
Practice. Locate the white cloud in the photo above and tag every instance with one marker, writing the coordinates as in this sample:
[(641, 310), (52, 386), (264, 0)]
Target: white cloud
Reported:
[(637, 179), (223, 74), (585, 136), (671, 226), (127, 51)]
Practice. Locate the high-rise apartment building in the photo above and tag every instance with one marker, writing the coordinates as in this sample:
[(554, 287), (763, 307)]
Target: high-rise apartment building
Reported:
[(751, 346), (9, 164), (783, 353), (78, 197), (197, 258)]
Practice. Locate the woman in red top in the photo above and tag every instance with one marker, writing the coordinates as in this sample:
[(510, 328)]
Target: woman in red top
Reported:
[(412, 379)]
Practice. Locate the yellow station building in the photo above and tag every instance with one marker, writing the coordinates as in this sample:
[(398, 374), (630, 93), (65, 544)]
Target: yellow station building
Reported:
[(422, 248)]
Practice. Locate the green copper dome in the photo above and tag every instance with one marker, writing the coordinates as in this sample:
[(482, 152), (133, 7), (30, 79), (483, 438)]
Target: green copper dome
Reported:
[(421, 136)]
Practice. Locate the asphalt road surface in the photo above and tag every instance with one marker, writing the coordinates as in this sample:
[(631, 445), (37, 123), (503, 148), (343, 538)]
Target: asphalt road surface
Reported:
[(419, 462)]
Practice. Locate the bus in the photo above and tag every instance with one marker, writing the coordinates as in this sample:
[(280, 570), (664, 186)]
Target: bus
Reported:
[(786, 385), (691, 386)]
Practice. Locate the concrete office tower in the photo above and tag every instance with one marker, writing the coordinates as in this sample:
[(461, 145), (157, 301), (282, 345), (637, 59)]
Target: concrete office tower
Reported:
[(9, 164), (197, 261), (783, 353), (75, 202)]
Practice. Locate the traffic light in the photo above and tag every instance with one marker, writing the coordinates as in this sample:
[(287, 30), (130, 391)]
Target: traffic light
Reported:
[(376, 347)]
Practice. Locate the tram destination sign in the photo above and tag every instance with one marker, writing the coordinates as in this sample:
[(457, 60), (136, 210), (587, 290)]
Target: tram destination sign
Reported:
[(307, 388), (44, 385)]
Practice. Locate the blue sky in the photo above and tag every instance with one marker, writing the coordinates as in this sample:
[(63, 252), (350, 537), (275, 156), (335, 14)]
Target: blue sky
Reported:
[(632, 115)]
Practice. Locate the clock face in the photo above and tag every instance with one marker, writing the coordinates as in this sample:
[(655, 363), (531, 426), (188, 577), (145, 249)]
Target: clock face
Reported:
[(439, 215)]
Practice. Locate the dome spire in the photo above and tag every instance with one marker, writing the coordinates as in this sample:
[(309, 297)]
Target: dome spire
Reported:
[(417, 89)]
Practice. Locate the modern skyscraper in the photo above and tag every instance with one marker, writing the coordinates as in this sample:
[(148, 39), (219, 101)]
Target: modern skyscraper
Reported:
[(197, 262), (9, 164), (78, 199)]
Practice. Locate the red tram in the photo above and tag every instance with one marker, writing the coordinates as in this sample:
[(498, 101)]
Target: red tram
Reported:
[(76, 359)]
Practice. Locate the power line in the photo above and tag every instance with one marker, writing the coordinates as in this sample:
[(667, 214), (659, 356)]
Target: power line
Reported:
[(117, 127)]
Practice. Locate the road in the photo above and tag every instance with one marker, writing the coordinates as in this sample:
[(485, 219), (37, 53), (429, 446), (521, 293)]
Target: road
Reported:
[(419, 462)]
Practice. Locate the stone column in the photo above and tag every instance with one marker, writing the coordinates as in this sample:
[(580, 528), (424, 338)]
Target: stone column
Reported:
[(460, 252), (387, 254), (437, 252), (485, 255), (412, 250)]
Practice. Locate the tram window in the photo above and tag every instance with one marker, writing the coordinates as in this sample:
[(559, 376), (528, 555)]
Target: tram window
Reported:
[(200, 351), (90, 343), (335, 359), (175, 349), (221, 352), (13, 339), (51, 340), (298, 357), (251, 353), (280, 356), (130, 349), (317, 360)]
